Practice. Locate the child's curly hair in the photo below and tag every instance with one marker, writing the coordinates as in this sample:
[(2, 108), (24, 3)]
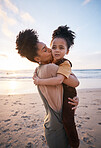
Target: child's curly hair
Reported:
[(65, 33), (26, 44)]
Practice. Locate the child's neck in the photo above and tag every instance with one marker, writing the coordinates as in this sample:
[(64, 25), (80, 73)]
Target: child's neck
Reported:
[(55, 61), (60, 61)]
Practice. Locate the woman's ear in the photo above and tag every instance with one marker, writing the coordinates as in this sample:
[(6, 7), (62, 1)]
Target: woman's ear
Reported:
[(37, 59)]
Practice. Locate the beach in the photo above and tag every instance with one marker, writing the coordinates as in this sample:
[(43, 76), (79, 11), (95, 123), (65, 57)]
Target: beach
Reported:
[(22, 117)]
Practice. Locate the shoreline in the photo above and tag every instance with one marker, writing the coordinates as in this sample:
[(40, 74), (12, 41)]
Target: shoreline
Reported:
[(27, 86), (30, 93), (22, 115)]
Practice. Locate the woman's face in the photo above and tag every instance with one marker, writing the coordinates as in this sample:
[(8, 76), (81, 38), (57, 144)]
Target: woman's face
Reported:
[(44, 53), (59, 48)]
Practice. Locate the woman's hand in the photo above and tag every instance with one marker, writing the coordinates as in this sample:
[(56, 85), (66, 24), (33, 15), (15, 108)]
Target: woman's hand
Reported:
[(35, 77), (35, 73), (35, 80), (74, 101)]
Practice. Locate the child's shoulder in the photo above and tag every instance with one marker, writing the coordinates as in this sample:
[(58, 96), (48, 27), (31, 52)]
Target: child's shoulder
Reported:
[(66, 63)]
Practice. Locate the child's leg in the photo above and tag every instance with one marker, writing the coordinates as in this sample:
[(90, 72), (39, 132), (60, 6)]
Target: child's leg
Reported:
[(68, 117)]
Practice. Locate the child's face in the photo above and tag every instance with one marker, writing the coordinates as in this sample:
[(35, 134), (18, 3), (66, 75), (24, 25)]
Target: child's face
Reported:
[(59, 48)]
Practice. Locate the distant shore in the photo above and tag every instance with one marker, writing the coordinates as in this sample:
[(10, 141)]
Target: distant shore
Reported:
[(21, 120)]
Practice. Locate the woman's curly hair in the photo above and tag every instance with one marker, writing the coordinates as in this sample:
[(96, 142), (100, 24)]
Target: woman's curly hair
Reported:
[(26, 44), (65, 33)]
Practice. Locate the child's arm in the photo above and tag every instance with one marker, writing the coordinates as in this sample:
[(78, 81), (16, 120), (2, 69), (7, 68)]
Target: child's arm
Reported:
[(49, 81), (71, 81), (58, 79)]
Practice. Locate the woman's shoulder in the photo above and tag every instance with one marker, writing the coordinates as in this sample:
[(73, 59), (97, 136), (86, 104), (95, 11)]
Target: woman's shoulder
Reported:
[(51, 65), (51, 68), (48, 70)]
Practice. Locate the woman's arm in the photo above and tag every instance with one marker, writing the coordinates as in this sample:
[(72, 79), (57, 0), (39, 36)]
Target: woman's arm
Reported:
[(49, 81)]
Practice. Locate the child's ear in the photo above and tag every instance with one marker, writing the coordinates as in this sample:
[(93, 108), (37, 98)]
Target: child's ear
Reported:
[(67, 51), (37, 59)]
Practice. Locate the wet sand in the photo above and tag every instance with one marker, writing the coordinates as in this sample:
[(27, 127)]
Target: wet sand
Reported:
[(21, 120)]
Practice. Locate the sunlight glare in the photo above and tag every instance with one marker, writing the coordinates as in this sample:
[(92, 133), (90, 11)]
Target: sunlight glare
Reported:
[(16, 62), (12, 85)]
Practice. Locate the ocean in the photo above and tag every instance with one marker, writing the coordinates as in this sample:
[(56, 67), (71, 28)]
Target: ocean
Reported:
[(20, 81)]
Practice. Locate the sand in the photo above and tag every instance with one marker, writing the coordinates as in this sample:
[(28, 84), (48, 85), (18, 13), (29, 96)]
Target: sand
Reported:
[(21, 120)]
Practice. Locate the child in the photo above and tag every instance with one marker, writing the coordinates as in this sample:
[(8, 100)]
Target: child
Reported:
[(62, 39)]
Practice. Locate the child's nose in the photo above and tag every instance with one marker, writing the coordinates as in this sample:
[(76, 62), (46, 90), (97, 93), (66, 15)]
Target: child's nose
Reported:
[(57, 49)]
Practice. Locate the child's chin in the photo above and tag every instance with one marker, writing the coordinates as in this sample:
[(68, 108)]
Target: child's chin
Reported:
[(57, 58)]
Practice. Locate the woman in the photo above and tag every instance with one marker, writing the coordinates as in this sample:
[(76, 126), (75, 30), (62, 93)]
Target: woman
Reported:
[(28, 46)]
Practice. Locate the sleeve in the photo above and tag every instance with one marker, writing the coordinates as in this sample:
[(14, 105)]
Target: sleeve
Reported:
[(52, 70), (64, 69)]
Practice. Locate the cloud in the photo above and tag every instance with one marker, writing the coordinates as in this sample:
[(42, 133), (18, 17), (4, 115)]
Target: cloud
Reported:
[(3, 55), (27, 17), (6, 19), (11, 6), (6, 22), (86, 2), (7, 32), (15, 19)]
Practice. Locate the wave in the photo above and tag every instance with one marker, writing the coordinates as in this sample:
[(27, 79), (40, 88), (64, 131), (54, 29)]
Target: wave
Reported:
[(15, 78), (28, 74), (30, 78)]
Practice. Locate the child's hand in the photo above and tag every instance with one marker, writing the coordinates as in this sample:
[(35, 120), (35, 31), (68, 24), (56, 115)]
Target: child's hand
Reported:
[(74, 101), (35, 80)]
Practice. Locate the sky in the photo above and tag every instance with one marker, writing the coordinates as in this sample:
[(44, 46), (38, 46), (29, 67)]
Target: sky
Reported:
[(82, 16)]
